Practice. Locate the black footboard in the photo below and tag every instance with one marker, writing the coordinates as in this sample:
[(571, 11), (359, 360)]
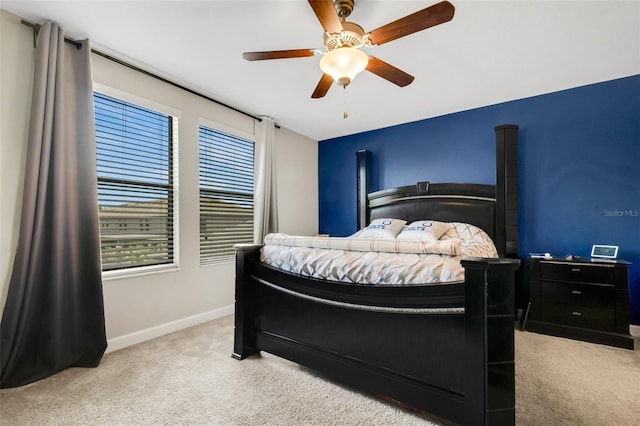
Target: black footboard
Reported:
[(446, 349)]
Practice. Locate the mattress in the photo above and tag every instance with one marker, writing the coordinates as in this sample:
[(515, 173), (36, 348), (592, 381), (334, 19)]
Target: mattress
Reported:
[(381, 262)]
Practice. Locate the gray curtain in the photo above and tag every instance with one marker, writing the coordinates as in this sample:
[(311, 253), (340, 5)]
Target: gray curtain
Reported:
[(265, 198), (54, 314)]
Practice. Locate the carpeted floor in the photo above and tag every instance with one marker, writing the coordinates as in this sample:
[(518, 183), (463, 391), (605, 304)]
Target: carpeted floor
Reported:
[(189, 378)]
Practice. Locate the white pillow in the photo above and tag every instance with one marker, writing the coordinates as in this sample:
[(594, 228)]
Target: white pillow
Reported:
[(465, 232), (424, 230), (382, 229)]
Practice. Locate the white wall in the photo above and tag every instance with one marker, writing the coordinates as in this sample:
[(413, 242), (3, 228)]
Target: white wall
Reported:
[(140, 307), (16, 84)]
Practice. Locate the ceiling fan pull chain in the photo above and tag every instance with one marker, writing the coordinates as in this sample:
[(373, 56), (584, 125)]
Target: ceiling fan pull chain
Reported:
[(345, 114)]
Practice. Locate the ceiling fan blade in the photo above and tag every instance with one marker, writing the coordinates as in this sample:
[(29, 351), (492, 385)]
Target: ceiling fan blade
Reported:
[(389, 72), (277, 54), (327, 15), (323, 86), (434, 15)]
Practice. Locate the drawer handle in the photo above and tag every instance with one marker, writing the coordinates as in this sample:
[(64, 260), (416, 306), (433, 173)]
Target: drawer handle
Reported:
[(575, 269), (576, 292), (576, 313)]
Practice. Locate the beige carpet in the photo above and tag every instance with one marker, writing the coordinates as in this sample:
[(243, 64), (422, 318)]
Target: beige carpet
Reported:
[(189, 378)]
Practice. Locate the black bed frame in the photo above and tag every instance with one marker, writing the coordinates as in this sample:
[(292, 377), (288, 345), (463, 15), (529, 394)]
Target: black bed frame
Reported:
[(446, 349)]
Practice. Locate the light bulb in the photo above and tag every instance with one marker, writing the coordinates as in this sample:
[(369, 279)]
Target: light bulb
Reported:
[(343, 64)]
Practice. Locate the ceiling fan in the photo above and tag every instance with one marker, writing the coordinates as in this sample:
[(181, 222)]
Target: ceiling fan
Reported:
[(343, 40)]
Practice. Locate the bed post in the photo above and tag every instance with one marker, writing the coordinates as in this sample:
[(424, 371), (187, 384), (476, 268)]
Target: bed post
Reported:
[(363, 159), (489, 342), (243, 342), (507, 190)]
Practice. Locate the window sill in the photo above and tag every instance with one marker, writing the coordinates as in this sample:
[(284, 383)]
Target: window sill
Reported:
[(138, 272)]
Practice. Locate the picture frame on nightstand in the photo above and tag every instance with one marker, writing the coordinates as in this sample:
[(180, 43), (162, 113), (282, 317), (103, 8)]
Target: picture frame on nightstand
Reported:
[(604, 251)]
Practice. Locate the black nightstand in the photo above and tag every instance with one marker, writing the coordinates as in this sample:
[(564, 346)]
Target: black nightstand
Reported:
[(584, 299)]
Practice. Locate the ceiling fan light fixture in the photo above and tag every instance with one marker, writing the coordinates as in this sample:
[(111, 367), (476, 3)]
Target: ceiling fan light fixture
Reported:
[(343, 64)]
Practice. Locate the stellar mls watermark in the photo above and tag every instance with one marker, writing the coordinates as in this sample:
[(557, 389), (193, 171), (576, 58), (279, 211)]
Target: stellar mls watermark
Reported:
[(622, 213)]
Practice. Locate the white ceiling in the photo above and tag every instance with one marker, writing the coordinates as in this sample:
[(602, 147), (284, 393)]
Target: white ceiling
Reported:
[(491, 52)]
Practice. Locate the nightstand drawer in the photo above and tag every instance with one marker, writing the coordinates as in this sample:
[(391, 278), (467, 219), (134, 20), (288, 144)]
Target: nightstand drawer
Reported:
[(566, 293), (579, 316), (577, 272)]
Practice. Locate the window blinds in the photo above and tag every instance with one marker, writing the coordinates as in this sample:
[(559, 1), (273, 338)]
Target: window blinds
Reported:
[(226, 194), (135, 184)]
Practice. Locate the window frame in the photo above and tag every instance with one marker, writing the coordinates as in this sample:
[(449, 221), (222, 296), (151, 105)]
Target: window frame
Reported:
[(216, 126), (175, 116)]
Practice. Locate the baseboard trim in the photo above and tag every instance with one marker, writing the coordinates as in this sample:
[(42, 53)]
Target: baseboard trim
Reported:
[(131, 339), (634, 330)]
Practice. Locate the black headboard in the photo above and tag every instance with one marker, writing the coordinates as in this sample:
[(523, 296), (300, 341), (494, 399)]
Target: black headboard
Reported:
[(493, 208), (445, 202)]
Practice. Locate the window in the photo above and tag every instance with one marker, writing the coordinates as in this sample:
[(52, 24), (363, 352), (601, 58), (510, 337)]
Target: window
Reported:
[(226, 194), (135, 184)]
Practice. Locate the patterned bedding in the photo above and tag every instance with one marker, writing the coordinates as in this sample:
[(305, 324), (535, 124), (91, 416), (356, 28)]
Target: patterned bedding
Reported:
[(374, 261)]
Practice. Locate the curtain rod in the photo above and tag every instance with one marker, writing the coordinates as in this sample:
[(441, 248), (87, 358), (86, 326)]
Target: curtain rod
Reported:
[(36, 28)]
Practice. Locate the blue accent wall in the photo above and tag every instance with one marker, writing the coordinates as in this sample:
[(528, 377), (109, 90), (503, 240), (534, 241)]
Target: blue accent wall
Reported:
[(578, 160)]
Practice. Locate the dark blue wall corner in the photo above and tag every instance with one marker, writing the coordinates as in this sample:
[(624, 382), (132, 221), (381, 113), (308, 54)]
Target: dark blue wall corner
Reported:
[(578, 159)]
